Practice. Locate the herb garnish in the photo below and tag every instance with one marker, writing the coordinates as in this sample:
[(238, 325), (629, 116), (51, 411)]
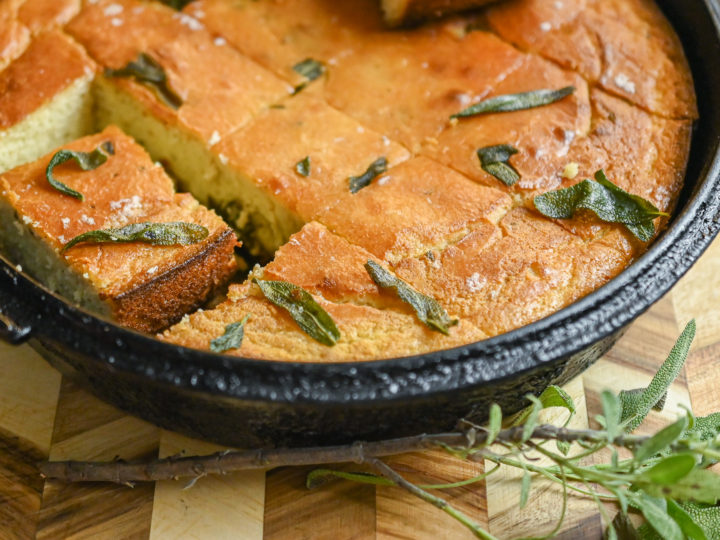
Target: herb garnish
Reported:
[(87, 161), (310, 69), (146, 70), (609, 202), (516, 102), (428, 309), (302, 167), (158, 234), (303, 308), (232, 338), (494, 161), (375, 169), (176, 4)]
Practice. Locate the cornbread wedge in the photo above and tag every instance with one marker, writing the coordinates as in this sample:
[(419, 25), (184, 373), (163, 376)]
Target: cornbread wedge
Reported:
[(373, 324), (40, 15), (146, 287), (44, 99)]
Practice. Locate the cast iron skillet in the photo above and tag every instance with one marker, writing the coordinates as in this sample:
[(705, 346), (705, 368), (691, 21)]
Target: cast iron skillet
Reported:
[(251, 403)]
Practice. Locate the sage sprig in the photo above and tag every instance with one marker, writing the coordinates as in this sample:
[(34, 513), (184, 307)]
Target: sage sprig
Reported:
[(159, 234), (309, 68), (232, 338), (375, 169), (149, 72), (609, 203), (87, 161), (494, 160), (427, 309), (515, 102), (302, 167), (302, 307)]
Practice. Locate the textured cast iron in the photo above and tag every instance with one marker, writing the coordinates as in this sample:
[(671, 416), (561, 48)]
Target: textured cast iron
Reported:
[(246, 402)]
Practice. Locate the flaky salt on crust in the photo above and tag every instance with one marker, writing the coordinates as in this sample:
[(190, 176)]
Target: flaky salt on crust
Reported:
[(143, 286)]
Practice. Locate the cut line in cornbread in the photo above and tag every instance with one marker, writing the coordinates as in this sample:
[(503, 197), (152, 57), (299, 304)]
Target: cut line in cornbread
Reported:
[(146, 287)]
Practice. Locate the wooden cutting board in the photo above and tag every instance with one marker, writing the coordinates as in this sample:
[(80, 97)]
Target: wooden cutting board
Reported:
[(42, 415)]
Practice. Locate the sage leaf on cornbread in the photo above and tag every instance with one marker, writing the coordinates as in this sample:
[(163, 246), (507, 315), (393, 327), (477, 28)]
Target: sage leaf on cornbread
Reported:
[(375, 169), (176, 4), (494, 160), (232, 338), (159, 234), (428, 309), (302, 167), (309, 68), (148, 71), (609, 202), (87, 161), (516, 102), (302, 307)]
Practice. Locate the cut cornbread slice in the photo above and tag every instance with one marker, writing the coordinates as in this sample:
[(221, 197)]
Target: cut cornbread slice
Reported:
[(541, 135), (626, 46), (44, 99), (258, 176), (40, 15), (414, 207), (505, 276), (143, 286)]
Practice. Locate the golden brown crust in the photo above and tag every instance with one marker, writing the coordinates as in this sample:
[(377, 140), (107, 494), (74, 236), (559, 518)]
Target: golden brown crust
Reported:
[(15, 36), (399, 12), (48, 66), (39, 15), (127, 188)]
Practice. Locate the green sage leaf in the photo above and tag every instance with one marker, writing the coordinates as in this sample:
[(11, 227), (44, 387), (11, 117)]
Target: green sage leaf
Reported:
[(525, 489), (668, 470), (611, 414), (302, 167), (309, 68), (654, 510), (687, 524), (609, 203), (177, 5), (661, 440), (303, 308), (159, 234), (375, 169), (494, 423), (149, 72), (530, 422), (516, 102), (661, 381), (630, 399), (706, 517), (494, 160), (232, 338), (427, 309), (699, 485), (87, 161)]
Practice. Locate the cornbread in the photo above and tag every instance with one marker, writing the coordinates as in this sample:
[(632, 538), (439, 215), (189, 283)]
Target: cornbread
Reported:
[(334, 145), (143, 286)]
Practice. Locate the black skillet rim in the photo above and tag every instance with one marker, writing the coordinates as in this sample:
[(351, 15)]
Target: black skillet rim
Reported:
[(568, 331)]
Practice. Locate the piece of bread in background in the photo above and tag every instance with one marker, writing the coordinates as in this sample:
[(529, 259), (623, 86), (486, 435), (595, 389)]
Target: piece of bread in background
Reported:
[(400, 12)]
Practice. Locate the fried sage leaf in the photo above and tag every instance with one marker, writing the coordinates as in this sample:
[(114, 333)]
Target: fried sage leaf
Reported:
[(375, 169), (309, 68), (428, 309), (232, 338), (176, 4), (159, 234), (146, 70), (516, 102), (302, 167), (303, 308), (609, 202), (495, 160), (87, 161)]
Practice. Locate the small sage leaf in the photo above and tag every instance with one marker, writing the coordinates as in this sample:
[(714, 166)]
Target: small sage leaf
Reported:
[(494, 160), (427, 309), (525, 489), (159, 234), (661, 381), (302, 167), (176, 4), (494, 423), (516, 102), (148, 71), (699, 485), (232, 338), (87, 161), (654, 510), (609, 203), (531, 420), (303, 308), (375, 169), (552, 396), (309, 68), (611, 413), (630, 399), (707, 517), (661, 440), (669, 470), (687, 524)]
